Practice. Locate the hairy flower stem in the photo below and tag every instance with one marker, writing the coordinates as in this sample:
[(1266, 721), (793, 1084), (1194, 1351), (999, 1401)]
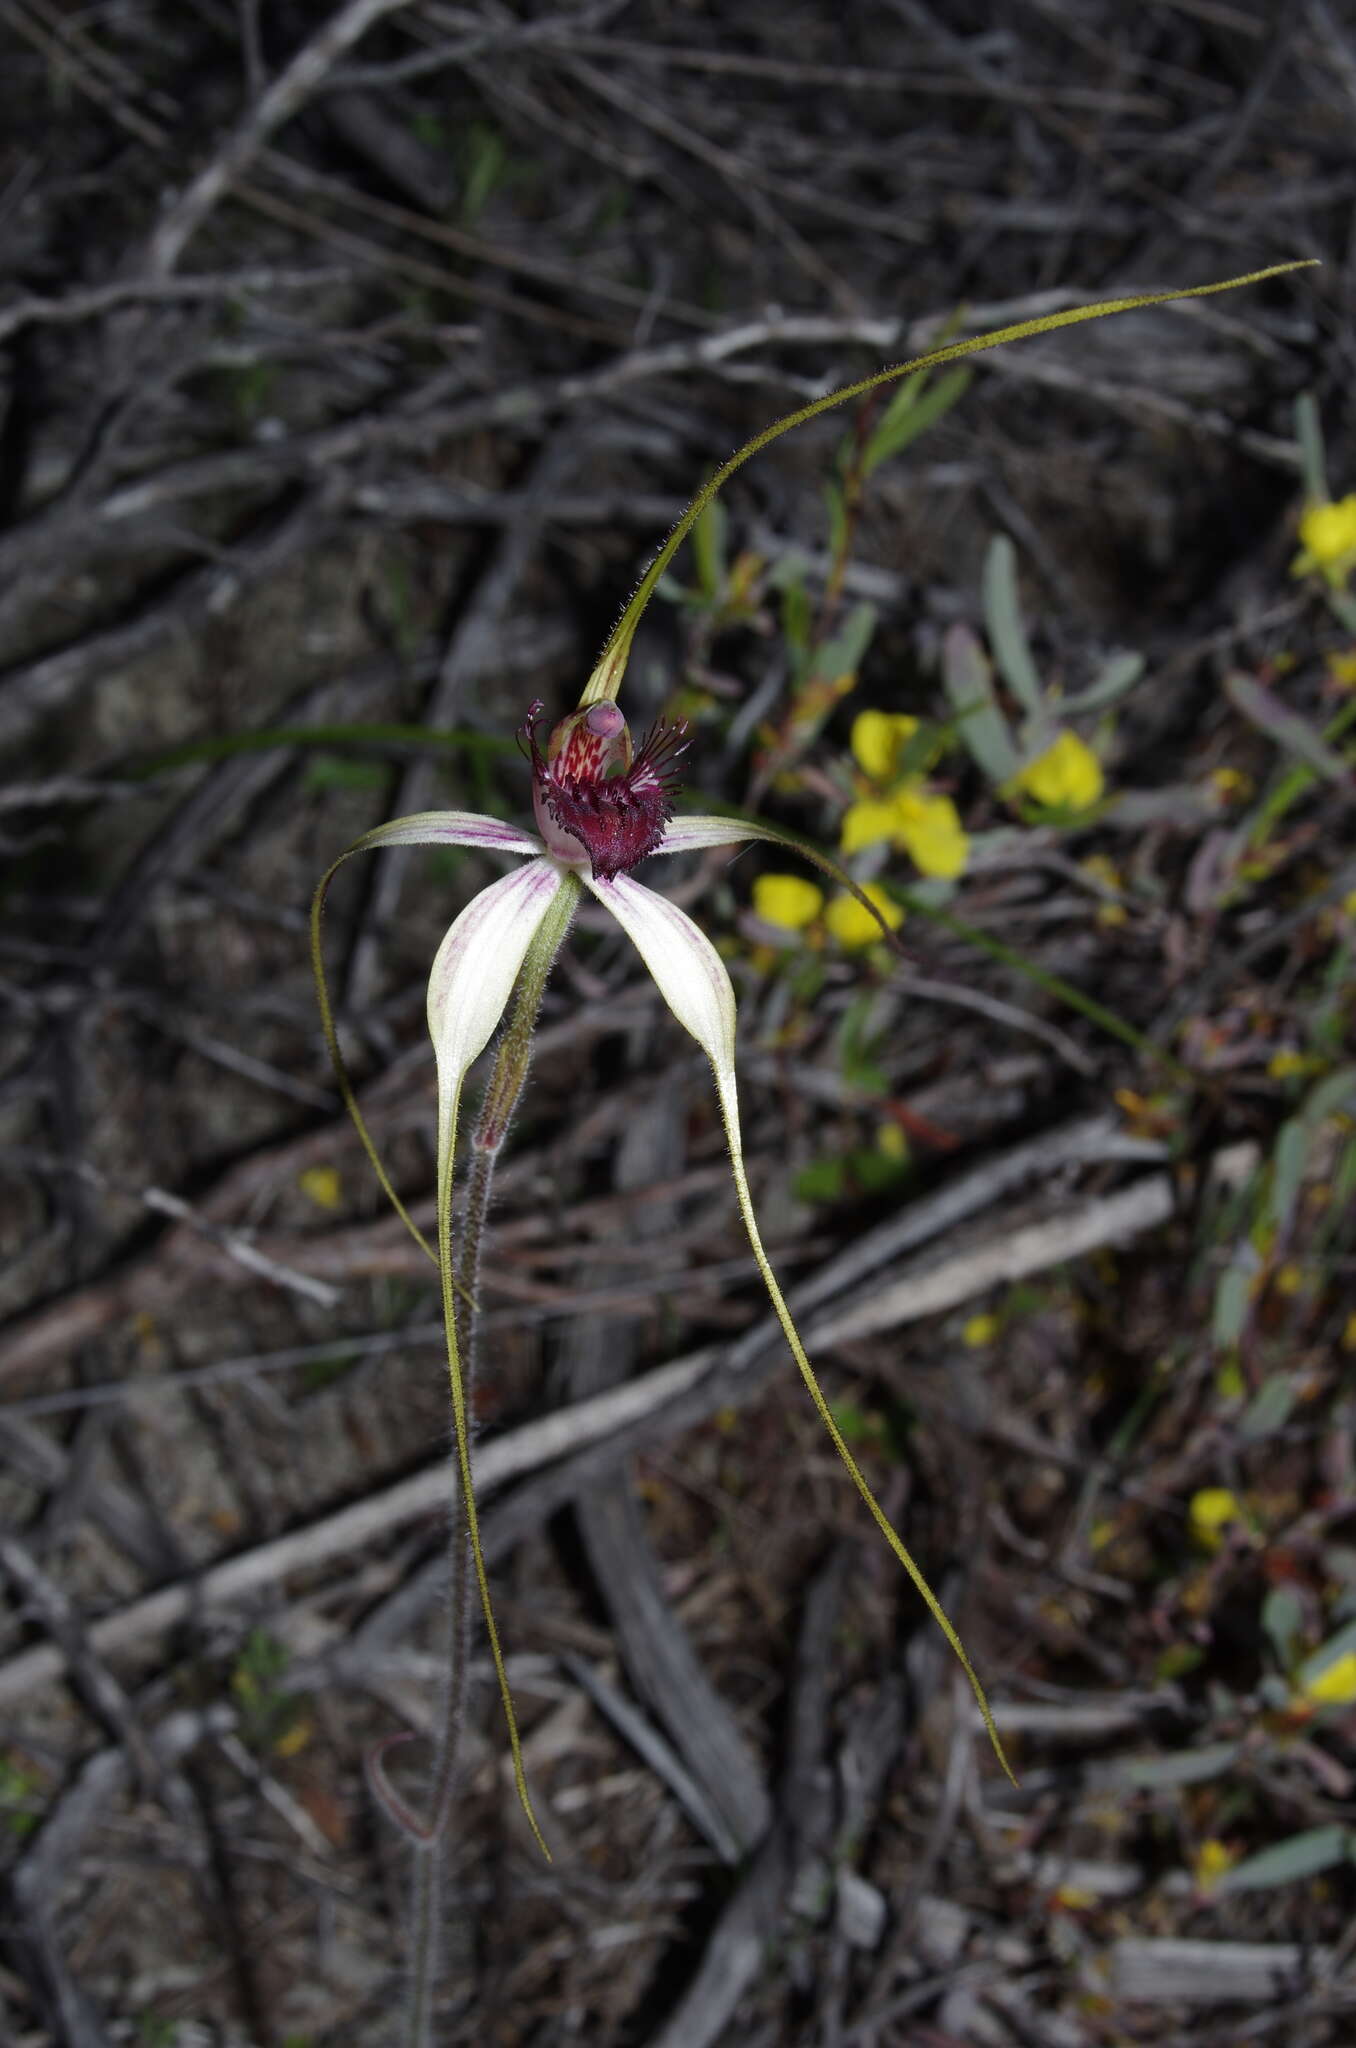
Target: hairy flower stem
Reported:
[(509, 1073)]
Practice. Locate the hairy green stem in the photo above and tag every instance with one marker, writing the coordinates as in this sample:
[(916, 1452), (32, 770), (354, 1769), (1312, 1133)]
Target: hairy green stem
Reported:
[(606, 679), (427, 1888), (461, 1307)]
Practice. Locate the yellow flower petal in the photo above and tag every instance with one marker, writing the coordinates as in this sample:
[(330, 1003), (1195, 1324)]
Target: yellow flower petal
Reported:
[(1212, 1859), (891, 1142), (1327, 540), (294, 1739), (787, 900), (979, 1332), (322, 1185), (1335, 1685), (852, 925), (878, 742), (929, 829), (1210, 1512), (866, 824), (1067, 776)]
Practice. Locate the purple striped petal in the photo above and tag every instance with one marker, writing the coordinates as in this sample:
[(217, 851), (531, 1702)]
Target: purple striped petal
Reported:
[(478, 962), (450, 828), (691, 835)]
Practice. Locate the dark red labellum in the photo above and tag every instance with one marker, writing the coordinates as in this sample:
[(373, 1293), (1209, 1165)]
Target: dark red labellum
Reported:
[(593, 798)]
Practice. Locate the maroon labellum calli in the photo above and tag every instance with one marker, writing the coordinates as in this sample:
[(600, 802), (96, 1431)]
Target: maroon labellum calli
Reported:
[(593, 798)]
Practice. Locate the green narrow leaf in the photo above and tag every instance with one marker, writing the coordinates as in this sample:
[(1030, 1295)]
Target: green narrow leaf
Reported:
[(332, 771), (1287, 1172), (1309, 434), (1119, 674), (842, 655), (1166, 1773), (1305, 1855), (1269, 1409), (1283, 1621), (797, 618), (1342, 1644), (836, 512), (1233, 1297), (984, 730), (708, 550), (910, 413), (1007, 635), (1264, 709), (1327, 1097)]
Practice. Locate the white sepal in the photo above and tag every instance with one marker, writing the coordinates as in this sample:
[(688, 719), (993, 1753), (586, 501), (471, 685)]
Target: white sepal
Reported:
[(688, 972), (473, 977), (449, 828), (693, 981), (478, 962), (424, 828), (691, 835)]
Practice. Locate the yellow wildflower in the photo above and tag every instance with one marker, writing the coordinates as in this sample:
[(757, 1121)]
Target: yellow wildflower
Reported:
[(1285, 1064), (1230, 785), (1349, 1332), (1210, 1512), (1211, 1861), (1335, 1685), (852, 925), (878, 741), (294, 1739), (900, 809), (1066, 777), (891, 1142), (1328, 541), (979, 1331), (1230, 1384), (787, 900), (866, 824), (321, 1185), (924, 825), (1342, 669), (929, 829), (1104, 874)]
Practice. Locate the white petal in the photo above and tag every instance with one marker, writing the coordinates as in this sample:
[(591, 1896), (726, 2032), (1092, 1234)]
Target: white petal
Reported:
[(690, 835), (425, 828), (449, 828), (692, 979), (688, 972), (473, 976), (478, 963)]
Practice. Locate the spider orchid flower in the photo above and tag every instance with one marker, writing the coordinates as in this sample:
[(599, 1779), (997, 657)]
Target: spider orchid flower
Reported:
[(601, 808)]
